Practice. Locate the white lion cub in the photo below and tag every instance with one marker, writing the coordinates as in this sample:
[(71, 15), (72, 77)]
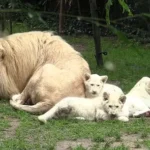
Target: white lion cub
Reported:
[(94, 85), (101, 108)]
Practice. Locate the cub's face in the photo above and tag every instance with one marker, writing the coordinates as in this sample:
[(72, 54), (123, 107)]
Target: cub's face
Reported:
[(113, 103), (94, 84)]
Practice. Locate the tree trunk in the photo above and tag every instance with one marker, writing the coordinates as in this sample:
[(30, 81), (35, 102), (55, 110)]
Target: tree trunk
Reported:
[(61, 17), (96, 33), (3, 22), (10, 23), (79, 8)]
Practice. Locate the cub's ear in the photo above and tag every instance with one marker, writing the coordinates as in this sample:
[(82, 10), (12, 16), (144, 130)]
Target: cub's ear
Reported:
[(104, 78), (105, 96), (87, 76), (122, 99)]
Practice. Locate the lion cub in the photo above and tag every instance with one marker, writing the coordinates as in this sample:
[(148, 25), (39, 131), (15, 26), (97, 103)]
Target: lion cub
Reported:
[(104, 107), (96, 85), (101, 108)]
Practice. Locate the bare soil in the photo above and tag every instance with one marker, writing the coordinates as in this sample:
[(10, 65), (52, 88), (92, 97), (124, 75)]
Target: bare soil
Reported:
[(11, 131), (133, 142)]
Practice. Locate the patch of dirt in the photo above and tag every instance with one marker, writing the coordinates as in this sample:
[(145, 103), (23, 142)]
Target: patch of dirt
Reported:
[(11, 131), (68, 145), (133, 142), (79, 47)]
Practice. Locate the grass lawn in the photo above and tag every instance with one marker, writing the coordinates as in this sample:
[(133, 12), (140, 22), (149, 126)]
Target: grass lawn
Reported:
[(130, 62)]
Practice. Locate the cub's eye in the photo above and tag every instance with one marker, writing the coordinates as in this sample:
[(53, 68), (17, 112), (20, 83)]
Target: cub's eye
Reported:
[(98, 85), (117, 106), (92, 84), (110, 106), (105, 99)]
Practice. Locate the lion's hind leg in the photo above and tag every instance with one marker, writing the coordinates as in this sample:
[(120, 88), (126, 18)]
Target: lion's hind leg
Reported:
[(61, 109)]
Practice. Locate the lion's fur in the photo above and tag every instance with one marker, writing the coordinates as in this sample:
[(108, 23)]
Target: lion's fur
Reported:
[(43, 59)]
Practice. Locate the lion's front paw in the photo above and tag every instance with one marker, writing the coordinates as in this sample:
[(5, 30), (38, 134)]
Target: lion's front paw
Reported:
[(42, 119), (80, 118), (123, 118)]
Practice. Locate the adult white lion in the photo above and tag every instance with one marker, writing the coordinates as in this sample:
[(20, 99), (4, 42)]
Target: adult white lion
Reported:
[(42, 66)]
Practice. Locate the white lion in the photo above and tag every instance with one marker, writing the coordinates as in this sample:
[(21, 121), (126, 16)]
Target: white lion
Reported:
[(138, 98), (42, 67), (100, 108)]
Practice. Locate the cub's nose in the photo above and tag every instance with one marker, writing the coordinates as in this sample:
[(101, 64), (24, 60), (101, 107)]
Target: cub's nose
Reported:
[(113, 116), (94, 92)]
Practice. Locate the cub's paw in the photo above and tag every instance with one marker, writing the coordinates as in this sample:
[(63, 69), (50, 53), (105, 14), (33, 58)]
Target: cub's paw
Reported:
[(123, 118), (80, 118), (42, 119)]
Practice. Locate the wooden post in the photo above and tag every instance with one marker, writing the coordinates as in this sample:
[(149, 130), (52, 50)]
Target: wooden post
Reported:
[(96, 33)]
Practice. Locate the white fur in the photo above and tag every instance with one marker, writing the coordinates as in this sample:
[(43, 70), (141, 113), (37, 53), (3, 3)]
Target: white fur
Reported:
[(142, 90), (138, 99), (82, 108), (86, 109), (96, 85), (111, 87)]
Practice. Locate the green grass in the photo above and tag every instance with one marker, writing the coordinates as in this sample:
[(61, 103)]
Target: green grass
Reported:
[(131, 61)]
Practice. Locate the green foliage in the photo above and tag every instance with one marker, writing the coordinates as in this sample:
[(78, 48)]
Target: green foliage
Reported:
[(122, 3), (108, 5), (125, 7), (121, 35)]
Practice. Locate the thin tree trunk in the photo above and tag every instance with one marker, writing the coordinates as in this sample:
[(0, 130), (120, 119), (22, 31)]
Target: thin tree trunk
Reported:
[(3, 22), (79, 8), (10, 23), (148, 24), (96, 33), (61, 17)]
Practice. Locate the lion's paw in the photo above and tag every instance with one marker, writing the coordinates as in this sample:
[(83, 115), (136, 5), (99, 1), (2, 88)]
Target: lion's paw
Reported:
[(42, 119)]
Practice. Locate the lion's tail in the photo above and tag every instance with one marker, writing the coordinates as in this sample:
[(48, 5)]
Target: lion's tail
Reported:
[(38, 108)]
